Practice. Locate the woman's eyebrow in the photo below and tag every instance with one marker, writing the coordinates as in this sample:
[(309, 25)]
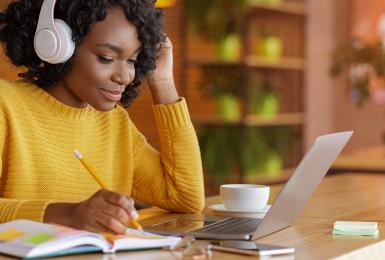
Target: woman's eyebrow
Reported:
[(111, 47), (114, 47)]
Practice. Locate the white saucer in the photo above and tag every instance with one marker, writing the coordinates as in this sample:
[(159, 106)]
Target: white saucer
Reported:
[(221, 208)]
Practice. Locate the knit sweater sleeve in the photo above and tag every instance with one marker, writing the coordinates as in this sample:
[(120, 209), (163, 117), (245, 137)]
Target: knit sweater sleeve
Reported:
[(22, 209), (173, 178), (11, 209)]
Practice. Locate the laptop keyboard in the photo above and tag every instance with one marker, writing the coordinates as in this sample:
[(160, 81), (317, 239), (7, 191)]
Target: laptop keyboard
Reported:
[(231, 226)]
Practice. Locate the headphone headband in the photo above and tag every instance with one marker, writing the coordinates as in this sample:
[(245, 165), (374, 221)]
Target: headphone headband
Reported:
[(46, 16)]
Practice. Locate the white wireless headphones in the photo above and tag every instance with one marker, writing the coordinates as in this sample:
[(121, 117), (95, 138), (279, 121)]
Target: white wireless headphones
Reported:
[(53, 38)]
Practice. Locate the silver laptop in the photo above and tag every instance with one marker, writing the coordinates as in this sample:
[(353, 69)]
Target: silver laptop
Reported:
[(282, 213)]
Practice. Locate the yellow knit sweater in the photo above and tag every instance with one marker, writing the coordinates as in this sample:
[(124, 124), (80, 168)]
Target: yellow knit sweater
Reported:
[(38, 135)]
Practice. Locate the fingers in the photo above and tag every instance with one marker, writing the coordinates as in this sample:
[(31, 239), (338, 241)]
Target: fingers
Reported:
[(116, 211), (110, 224), (105, 223), (167, 43), (98, 226), (105, 211), (119, 200)]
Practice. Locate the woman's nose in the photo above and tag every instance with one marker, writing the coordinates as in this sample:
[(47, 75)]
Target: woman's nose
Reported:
[(124, 74)]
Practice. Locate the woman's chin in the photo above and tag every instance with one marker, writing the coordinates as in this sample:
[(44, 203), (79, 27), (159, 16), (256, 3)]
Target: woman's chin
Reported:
[(104, 107)]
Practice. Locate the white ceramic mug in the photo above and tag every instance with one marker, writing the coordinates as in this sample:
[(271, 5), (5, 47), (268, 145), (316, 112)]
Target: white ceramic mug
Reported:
[(244, 197)]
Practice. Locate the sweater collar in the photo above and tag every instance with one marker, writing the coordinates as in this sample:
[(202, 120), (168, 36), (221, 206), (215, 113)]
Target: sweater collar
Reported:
[(58, 108)]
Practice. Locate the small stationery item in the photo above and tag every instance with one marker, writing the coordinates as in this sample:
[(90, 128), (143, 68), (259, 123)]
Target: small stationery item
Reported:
[(355, 228), (102, 184), (30, 239)]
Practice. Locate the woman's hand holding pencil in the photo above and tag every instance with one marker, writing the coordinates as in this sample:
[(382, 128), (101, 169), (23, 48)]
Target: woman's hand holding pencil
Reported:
[(126, 204), (104, 211)]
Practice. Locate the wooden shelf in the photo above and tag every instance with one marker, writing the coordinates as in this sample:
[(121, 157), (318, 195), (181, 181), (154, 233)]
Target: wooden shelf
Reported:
[(280, 119), (271, 179), (214, 121), (287, 21), (204, 61), (253, 61), (285, 7), (251, 120), (289, 63)]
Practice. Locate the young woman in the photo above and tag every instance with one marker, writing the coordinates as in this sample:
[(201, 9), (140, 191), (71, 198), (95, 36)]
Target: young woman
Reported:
[(56, 108)]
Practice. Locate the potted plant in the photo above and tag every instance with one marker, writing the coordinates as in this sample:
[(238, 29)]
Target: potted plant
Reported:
[(265, 149), (269, 2), (254, 150), (270, 47), (220, 151), (220, 21), (366, 64), (262, 98), (229, 47), (224, 85)]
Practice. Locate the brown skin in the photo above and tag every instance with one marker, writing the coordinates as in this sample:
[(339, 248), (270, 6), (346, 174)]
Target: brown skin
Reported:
[(102, 67)]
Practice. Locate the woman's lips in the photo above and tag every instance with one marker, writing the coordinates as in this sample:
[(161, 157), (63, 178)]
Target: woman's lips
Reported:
[(111, 95)]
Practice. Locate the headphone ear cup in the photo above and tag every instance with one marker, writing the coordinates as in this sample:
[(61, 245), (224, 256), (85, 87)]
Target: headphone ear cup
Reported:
[(46, 44), (67, 44)]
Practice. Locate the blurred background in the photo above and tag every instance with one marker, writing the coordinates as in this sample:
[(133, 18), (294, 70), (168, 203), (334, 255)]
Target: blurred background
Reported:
[(264, 78)]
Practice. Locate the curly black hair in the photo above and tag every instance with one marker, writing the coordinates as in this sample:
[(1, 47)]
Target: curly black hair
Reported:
[(19, 21)]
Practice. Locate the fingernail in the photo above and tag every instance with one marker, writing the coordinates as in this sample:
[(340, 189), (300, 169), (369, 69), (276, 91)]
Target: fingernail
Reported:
[(134, 214)]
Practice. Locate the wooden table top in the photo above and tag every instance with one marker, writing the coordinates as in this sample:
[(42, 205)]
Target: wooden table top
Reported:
[(358, 197)]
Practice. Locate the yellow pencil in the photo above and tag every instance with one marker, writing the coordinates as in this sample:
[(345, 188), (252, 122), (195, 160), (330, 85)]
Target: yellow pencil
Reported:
[(136, 224), (103, 184), (99, 180)]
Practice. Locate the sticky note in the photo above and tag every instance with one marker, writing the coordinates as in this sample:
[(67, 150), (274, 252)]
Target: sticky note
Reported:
[(362, 232), (38, 238), (356, 225), (10, 234), (355, 228)]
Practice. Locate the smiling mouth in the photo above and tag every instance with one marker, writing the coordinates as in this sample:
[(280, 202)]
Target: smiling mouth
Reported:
[(111, 95)]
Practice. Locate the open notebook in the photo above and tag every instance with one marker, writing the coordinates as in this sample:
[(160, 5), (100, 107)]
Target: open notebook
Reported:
[(29, 239)]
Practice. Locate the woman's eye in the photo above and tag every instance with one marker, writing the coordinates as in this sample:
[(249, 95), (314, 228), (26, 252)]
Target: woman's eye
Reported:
[(131, 61), (104, 59)]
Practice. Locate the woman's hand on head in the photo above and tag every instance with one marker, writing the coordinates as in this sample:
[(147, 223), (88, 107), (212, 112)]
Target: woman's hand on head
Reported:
[(105, 211), (164, 65), (161, 80)]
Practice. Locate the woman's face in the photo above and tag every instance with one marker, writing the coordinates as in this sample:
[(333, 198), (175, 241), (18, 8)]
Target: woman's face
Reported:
[(103, 64)]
